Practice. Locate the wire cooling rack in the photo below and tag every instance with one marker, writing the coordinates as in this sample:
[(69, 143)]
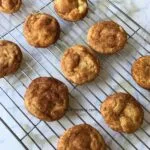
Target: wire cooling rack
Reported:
[(85, 100)]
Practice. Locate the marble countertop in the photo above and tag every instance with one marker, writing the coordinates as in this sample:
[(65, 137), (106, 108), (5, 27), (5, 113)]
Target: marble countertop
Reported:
[(139, 10)]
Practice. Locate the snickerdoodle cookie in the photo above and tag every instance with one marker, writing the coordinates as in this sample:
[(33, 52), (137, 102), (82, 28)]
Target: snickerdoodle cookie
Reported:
[(141, 71), (122, 112), (71, 10), (10, 6), (81, 137), (47, 98), (79, 64), (10, 57), (107, 37), (41, 30)]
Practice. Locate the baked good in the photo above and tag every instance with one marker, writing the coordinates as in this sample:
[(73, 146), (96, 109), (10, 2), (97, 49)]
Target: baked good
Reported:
[(10, 6), (10, 58), (79, 64), (107, 37), (71, 10), (47, 98), (141, 71), (41, 30), (122, 112), (81, 137)]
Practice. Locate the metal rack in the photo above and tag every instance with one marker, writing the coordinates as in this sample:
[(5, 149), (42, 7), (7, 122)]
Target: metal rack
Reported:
[(84, 100)]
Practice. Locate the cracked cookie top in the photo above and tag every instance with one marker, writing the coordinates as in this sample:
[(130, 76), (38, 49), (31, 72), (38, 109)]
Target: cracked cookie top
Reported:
[(79, 64), (107, 37), (10, 6), (10, 57), (122, 112), (71, 10), (81, 137), (141, 71), (41, 30), (47, 98)]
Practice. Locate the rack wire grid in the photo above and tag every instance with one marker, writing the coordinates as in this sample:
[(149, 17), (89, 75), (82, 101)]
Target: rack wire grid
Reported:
[(85, 100)]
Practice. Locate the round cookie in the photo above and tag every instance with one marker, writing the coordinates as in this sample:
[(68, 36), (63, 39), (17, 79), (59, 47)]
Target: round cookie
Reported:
[(141, 71), (79, 64), (71, 10), (81, 137), (107, 37), (10, 6), (41, 30), (10, 58), (122, 112), (47, 98)]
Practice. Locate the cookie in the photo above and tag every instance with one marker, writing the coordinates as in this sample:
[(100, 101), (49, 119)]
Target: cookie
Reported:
[(10, 6), (81, 137), (10, 58), (107, 37), (122, 112), (79, 64), (41, 30), (71, 10), (47, 98), (141, 71)]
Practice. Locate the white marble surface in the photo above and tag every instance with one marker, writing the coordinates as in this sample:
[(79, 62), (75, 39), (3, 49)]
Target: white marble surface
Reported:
[(136, 9), (7, 139), (139, 10)]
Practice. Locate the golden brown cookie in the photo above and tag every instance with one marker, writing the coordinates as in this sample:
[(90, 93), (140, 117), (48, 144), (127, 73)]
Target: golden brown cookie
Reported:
[(141, 71), (10, 6), (41, 30), (107, 37), (122, 112), (71, 10), (47, 98), (79, 64), (10, 58), (81, 137)]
